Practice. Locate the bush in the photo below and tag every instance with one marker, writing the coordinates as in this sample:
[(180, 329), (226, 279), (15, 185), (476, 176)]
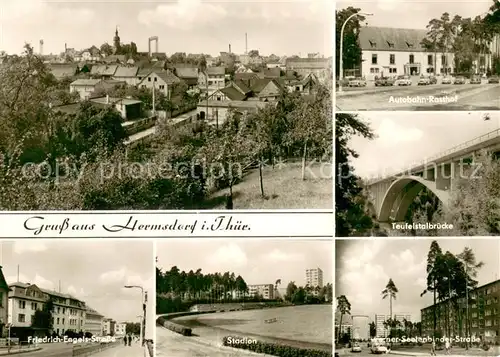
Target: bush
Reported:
[(276, 349)]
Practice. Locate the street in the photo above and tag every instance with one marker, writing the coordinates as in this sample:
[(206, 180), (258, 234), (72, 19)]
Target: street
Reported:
[(51, 350), (469, 97), (171, 344), (122, 351)]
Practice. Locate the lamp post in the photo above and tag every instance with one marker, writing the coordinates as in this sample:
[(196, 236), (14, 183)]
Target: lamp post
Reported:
[(142, 303), (341, 64), (140, 325)]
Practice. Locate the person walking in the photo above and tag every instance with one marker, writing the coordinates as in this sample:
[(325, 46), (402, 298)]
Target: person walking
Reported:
[(433, 347), (447, 346), (129, 340), (125, 339)]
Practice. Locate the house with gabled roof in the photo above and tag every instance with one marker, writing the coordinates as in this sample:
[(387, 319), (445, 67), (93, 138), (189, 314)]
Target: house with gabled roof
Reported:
[(103, 70), (270, 92), (212, 79), (188, 74), (61, 71), (84, 87), (161, 81), (235, 90), (127, 74), (321, 67)]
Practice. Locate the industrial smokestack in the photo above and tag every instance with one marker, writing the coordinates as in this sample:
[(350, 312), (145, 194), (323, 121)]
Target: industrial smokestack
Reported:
[(65, 48), (229, 48), (41, 47), (246, 43)]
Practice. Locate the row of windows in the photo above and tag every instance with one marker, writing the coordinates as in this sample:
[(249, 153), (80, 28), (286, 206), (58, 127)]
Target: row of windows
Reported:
[(411, 59)]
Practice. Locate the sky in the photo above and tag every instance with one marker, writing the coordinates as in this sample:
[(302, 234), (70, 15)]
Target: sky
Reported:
[(363, 268), (414, 14), (405, 139), (258, 261), (94, 271), (282, 27)]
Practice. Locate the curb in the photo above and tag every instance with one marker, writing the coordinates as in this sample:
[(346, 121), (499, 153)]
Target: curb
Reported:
[(20, 352), (227, 348)]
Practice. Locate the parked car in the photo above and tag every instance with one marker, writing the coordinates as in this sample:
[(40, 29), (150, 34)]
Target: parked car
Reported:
[(424, 81), (459, 80), (356, 347), (475, 80), (446, 80), (357, 82), (493, 79), (384, 82), (403, 81), (378, 346)]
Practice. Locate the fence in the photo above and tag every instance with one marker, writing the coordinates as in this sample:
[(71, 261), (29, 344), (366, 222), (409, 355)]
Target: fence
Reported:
[(16, 346), (87, 350)]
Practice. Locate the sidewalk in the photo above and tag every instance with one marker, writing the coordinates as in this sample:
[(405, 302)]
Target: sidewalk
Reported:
[(122, 351)]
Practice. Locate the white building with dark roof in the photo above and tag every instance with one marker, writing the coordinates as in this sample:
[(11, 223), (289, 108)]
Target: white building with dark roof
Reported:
[(394, 51), (93, 322), (25, 299)]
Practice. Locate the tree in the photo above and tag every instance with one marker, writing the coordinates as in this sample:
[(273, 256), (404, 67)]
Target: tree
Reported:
[(390, 292), (350, 216), (344, 307), (433, 277), (312, 127), (43, 318), (351, 54), (291, 289), (468, 258), (106, 49)]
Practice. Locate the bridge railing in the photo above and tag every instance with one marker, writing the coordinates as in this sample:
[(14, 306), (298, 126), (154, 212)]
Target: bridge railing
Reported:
[(478, 140)]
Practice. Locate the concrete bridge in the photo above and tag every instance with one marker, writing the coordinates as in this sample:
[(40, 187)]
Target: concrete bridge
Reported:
[(391, 196)]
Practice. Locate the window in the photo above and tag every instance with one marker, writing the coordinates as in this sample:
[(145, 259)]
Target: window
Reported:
[(32, 318), (63, 320), (393, 70), (412, 59), (64, 310), (149, 79), (34, 306), (219, 98), (21, 318), (140, 78), (410, 45), (429, 60), (474, 314), (58, 320), (374, 58), (392, 59), (373, 44), (443, 60), (297, 89), (390, 44), (22, 304), (58, 310), (488, 323), (156, 79), (162, 86), (143, 86), (372, 70)]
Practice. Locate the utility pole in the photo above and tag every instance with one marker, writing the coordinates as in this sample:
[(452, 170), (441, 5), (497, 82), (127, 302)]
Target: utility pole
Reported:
[(144, 316)]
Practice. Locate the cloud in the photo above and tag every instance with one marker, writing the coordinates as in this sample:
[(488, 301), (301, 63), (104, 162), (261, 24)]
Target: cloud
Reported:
[(39, 12), (113, 276), (407, 265), (228, 255), (28, 246), (392, 133), (279, 256), (78, 293), (186, 14), (388, 5)]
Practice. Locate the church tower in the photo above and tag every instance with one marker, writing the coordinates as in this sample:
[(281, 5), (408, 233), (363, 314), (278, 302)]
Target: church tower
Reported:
[(116, 41)]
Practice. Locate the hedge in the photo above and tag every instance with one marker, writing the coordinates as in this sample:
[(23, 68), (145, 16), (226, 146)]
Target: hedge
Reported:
[(275, 349), (185, 331)]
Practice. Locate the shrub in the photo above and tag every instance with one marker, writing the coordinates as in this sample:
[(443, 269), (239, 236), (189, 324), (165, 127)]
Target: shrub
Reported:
[(276, 349)]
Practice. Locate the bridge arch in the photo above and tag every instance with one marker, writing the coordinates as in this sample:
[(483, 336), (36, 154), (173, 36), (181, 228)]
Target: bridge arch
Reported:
[(402, 193)]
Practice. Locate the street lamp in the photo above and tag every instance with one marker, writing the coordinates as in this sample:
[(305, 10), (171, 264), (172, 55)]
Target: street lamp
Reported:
[(341, 64), (140, 325), (142, 303)]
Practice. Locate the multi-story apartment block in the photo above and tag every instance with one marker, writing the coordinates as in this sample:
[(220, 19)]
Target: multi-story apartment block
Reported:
[(4, 302), (264, 290), (360, 327), (484, 314), (395, 51), (108, 327), (25, 299), (382, 331), (314, 277), (93, 322), (120, 329)]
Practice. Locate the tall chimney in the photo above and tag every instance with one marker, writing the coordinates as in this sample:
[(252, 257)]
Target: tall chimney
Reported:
[(65, 48), (229, 48), (246, 43), (41, 47)]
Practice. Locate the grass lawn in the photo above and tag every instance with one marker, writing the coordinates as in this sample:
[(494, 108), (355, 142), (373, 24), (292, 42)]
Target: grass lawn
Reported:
[(284, 189)]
